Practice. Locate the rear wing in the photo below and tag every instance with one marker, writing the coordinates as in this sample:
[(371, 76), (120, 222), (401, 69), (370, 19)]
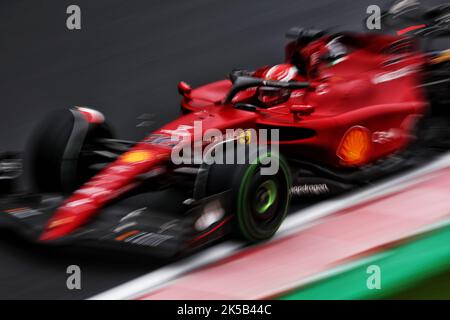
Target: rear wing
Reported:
[(304, 35)]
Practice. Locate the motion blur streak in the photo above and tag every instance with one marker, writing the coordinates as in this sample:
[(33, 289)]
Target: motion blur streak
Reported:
[(344, 236), (361, 219), (127, 54)]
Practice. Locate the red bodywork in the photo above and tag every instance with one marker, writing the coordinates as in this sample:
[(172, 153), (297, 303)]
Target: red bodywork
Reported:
[(370, 89)]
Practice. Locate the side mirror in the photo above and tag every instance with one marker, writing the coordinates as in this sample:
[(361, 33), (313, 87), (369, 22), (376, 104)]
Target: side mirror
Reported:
[(184, 89), (302, 109)]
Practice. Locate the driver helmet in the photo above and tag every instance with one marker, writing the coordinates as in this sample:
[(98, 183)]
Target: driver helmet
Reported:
[(281, 72), (270, 96)]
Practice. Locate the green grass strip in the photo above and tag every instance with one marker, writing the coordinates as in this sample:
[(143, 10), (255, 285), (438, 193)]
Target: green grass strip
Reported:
[(401, 268)]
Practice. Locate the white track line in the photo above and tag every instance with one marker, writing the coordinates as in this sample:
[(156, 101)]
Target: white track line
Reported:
[(294, 222)]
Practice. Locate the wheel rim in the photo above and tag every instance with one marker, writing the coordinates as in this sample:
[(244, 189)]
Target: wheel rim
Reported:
[(259, 220), (266, 195)]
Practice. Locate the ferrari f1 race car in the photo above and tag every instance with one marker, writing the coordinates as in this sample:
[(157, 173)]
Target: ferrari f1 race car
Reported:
[(341, 111)]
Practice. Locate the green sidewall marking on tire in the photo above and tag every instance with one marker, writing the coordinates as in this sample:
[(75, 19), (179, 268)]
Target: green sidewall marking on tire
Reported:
[(243, 191)]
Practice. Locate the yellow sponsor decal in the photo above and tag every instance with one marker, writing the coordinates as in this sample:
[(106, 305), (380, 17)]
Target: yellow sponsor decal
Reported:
[(442, 57), (137, 156), (59, 222), (245, 137)]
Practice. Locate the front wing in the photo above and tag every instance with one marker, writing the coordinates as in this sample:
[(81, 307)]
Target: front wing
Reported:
[(146, 223)]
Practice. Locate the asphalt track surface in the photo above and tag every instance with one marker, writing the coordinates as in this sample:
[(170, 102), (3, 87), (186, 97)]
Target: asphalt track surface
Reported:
[(126, 61)]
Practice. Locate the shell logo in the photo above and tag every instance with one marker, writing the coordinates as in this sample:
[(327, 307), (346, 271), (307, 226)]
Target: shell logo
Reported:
[(355, 146), (136, 156)]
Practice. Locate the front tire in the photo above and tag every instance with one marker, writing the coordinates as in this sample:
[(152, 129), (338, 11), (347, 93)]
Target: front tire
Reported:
[(259, 202), (53, 155), (262, 201)]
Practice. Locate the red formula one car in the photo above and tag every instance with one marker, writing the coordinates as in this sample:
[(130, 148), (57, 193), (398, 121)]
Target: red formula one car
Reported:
[(342, 110)]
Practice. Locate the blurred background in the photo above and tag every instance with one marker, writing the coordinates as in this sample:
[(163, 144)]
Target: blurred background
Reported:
[(126, 61)]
